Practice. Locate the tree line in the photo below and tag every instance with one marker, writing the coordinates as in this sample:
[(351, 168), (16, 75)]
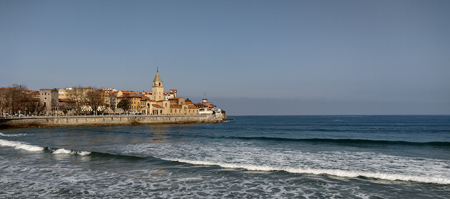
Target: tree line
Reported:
[(17, 100)]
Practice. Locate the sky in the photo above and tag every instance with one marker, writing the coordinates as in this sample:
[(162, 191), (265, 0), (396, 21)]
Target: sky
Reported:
[(251, 57)]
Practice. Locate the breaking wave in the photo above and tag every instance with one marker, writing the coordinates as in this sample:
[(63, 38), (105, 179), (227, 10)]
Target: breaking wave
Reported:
[(13, 135), (347, 141), (33, 148), (243, 155), (63, 151), (21, 145), (67, 151), (333, 172)]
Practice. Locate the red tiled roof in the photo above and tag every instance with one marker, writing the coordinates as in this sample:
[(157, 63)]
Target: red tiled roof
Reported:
[(192, 107), (132, 95), (157, 106), (200, 105), (66, 100), (175, 106)]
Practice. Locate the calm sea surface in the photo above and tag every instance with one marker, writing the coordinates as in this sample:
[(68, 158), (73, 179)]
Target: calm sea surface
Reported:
[(248, 157)]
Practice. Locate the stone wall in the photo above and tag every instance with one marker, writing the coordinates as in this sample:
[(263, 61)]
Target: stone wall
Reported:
[(106, 120)]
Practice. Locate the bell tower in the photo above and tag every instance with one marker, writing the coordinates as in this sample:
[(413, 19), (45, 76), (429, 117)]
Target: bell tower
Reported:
[(157, 88)]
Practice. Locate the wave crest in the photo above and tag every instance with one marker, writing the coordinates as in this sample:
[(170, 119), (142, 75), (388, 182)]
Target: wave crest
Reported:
[(67, 151), (333, 172), (348, 141), (21, 145), (32, 148), (13, 135)]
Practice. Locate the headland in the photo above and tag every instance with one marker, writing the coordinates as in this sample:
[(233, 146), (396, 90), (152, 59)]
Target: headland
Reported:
[(87, 106)]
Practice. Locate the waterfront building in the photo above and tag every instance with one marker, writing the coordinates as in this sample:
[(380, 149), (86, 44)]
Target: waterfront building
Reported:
[(78, 94), (171, 94), (49, 100), (157, 88), (132, 103), (63, 93), (87, 100), (166, 103)]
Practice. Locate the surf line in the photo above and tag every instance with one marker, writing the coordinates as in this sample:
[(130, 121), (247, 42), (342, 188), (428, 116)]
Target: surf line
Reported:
[(20, 145), (338, 173), (32, 148)]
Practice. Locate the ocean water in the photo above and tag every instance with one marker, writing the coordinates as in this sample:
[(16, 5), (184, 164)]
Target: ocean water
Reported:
[(248, 157)]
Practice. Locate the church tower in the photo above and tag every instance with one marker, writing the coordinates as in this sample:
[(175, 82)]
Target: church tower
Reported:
[(157, 88)]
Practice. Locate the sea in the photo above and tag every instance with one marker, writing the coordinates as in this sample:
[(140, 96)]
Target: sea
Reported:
[(365, 157)]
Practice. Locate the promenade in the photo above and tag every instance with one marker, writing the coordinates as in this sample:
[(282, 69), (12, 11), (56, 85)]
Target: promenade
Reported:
[(87, 120)]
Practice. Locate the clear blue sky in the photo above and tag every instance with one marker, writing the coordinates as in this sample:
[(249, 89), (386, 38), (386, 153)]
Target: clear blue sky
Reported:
[(251, 57)]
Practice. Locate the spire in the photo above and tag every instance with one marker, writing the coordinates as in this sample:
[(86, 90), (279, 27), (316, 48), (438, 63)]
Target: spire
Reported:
[(157, 81), (157, 88)]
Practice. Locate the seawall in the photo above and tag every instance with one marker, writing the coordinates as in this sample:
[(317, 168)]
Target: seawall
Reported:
[(105, 120)]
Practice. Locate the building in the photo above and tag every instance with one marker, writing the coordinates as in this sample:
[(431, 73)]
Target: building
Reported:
[(132, 103), (157, 88), (171, 94), (165, 103), (110, 101), (49, 100)]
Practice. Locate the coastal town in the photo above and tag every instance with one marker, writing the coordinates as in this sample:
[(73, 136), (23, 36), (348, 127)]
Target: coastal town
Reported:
[(18, 101)]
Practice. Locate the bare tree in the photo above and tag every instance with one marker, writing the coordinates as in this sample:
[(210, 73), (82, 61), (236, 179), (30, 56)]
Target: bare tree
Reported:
[(124, 104), (18, 99), (4, 102), (78, 95), (95, 99)]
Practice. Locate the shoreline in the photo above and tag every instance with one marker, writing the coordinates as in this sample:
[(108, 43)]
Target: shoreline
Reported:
[(105, 120)]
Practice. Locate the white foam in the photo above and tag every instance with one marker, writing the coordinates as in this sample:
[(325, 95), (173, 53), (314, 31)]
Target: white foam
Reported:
[(12, 135), (20, 145), (245, 155), (63, 151), (333, 172), (83, 153), (72, 152)]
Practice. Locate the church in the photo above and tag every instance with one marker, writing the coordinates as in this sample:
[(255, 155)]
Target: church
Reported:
[(161, 103)]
